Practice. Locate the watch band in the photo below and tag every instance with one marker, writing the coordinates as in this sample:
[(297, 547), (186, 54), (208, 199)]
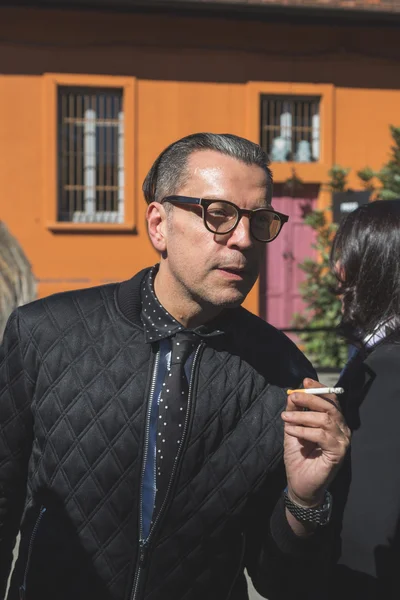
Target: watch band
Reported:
[(318, 515)]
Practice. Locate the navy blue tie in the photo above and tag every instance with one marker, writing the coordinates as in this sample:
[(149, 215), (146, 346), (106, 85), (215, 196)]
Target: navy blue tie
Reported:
[(172, 413)]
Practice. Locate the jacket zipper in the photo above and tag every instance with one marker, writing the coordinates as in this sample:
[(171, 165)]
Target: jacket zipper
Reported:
[(144, 544), (22, 589), (145, 452)]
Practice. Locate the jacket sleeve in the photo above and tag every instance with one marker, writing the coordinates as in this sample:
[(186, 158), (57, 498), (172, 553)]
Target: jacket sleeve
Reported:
[(15, 442), (281, 564)]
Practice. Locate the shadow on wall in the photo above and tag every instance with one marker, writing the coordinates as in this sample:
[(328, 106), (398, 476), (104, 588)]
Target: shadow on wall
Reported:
[(17, 282)]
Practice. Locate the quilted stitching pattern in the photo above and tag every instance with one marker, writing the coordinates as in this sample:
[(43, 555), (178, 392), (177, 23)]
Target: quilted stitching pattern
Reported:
[(84, 382), (233, 466), (82, 444), (13, 396)]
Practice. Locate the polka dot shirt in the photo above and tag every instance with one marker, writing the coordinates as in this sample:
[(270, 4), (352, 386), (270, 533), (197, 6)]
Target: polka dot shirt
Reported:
[(169, 405), (169, 413), (157, 321)]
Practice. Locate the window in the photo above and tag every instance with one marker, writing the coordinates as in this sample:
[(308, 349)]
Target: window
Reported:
[(290, 128), (90, 140)]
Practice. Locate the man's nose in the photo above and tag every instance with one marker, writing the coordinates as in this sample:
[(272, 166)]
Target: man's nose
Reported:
[(241, 236)]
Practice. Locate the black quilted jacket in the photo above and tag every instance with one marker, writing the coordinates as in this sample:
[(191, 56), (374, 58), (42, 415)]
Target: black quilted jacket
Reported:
[(74, 385)]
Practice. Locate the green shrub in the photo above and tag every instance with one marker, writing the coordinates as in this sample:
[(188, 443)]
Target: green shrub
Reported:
[(389, 175), (323, 308)]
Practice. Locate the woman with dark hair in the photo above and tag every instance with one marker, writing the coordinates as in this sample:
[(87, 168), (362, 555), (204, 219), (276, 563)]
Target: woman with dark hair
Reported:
[(366, 261)]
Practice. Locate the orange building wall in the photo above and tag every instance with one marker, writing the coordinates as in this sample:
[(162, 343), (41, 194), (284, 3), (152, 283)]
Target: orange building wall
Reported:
[(363, 117), (191, 75), (65, 260)]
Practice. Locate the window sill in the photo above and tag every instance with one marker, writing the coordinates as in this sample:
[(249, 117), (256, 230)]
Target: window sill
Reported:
[(70, 227)]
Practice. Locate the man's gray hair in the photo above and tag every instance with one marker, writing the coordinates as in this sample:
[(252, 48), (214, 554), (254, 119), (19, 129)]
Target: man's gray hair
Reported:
[(169, 171)]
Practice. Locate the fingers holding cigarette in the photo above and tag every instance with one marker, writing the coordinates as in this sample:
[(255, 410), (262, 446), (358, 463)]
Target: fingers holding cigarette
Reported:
[(323, 413), (310, 398), (316, 437)]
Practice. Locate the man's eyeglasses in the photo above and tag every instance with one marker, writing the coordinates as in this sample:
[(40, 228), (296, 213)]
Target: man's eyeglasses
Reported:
[(221, 217)]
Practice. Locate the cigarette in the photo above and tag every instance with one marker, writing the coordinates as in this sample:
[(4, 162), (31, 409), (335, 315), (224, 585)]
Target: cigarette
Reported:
[(327, 390)]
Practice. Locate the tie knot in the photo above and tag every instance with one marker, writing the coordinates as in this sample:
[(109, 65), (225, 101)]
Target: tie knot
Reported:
[(183, 344)]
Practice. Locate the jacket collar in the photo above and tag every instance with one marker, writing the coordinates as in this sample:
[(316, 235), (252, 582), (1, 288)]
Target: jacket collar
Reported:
[(129, 299)]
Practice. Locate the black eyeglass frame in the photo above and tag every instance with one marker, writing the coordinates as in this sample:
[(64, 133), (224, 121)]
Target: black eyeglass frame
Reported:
[(204, 204)]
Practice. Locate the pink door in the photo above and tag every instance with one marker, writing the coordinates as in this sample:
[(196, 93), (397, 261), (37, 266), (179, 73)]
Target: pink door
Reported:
[(280, 295)]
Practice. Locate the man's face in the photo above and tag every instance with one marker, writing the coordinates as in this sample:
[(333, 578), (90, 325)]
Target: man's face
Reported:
[(209, 268)]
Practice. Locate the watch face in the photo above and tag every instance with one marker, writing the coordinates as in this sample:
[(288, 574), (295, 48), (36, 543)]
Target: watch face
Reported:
[(327, 507)]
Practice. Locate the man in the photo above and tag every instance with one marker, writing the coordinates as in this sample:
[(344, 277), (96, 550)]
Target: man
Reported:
[(141, 429)]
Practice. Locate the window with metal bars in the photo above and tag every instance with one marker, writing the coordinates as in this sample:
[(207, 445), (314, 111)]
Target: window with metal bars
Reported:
[(90, 155), (290, 128)]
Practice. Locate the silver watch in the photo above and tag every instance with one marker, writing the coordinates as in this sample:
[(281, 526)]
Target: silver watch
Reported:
[(320, 515)]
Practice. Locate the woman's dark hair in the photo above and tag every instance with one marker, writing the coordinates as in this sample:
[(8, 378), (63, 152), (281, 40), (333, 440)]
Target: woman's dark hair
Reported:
[(365, 258)]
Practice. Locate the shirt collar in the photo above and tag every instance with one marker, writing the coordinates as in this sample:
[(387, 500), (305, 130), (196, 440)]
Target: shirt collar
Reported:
[(157, 321), (159, 324), (380, 332)]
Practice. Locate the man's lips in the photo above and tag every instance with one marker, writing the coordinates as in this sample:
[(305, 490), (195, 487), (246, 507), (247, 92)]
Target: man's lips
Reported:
[(235, 268), (237, 272)]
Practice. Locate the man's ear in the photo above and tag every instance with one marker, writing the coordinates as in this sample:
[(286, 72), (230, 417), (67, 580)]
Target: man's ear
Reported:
[(157, 226)]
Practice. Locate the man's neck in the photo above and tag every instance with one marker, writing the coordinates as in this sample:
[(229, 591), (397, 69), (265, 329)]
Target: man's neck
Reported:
[(177, 302)]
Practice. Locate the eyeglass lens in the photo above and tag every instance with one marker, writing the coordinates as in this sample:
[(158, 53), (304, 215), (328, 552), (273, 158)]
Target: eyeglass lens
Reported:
[(221, 217)]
